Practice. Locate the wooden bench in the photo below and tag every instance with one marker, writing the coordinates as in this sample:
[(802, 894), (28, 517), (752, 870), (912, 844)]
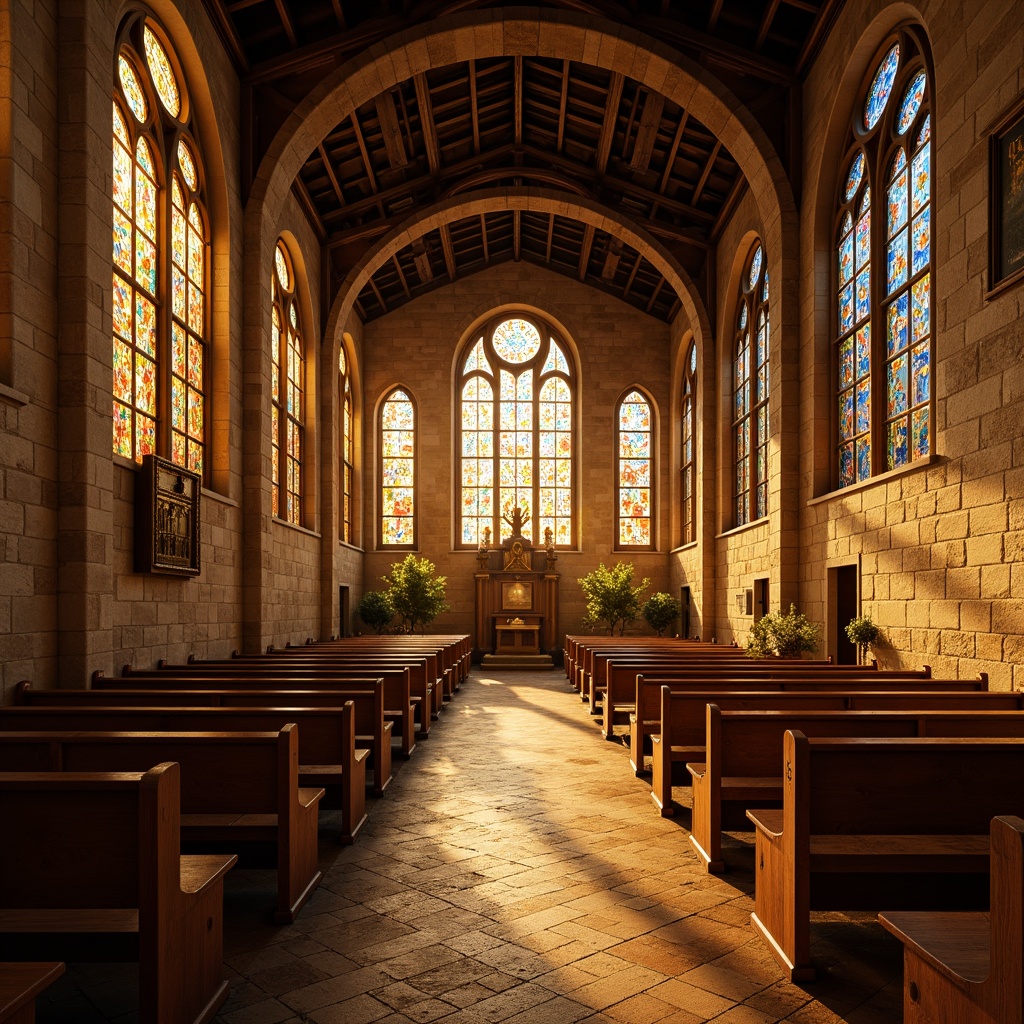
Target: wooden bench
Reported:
[(113, 884), (743, 766), (868, 824), (239, 790), (328, 755), (682, 719), (373, 729), (969, 968), (20, 983)]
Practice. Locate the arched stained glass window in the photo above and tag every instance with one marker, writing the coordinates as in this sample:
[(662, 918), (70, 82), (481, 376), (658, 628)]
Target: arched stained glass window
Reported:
[(688, 462), (347, 450), (287, 386), (635, 477), (884, 270), (398, 470), (750, 393), (516, 435), (159, 346)]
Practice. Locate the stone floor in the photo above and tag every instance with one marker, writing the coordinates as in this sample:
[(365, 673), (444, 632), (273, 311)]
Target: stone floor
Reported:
[(517, 872)]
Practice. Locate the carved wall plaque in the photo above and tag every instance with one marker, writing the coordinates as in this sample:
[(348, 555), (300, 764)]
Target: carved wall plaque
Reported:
[(167, 518)]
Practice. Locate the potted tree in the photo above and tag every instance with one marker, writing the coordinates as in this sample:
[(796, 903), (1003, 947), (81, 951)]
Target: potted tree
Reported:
[(863, 632), (783, 635), (611, 597), (660, 611), (415, 592)]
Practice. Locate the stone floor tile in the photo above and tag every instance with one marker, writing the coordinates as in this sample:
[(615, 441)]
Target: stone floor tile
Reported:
[(641, 1009)]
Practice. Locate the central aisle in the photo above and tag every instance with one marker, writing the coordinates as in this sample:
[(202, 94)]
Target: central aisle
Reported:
[(516, 871)]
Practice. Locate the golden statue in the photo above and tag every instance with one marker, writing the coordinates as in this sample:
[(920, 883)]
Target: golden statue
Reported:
[(518, 521)]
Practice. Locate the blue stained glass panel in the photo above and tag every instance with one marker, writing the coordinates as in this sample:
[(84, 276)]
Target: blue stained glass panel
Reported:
[(897, 261), (755, 267), (863, 407), (846, 259), (911, 102), (854, 177), (920, 308), (863, 458), (846, 415), (897, 319), (864, 240), (926, 131), (846, 363), (881, 87), (863, 294), (920, 178), (846, 308), (898, 202), (919, 432), (846, 472), (516, 341), (864, 351), (897, 389), (921, 248), (920, 369), (896, 455)]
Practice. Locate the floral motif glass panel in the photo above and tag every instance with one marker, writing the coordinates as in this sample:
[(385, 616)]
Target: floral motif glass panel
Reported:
[(398, 470), (634, 480)]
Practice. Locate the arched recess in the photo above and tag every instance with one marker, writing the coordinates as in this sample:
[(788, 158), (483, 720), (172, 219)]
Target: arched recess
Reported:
[(822, 178)]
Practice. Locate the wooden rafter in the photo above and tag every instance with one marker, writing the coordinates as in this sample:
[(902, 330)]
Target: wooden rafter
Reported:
[(474, 113), (516, 232), (390, 129), (427, 122), (707, 171), (339, 14), (766, 23), (823, 21), (655, 294), (551, 235), (632, 276), (517, 98), (673, 150), (483, 235), (332, 177), (611, 260), (368, 166), (611, 111), (378, 296), (226, 30), (309, 208), (449, 251), (716, 10), (562, 101), (286, 20), (401, 276), (588, 241), (647, 132), (421, 261)]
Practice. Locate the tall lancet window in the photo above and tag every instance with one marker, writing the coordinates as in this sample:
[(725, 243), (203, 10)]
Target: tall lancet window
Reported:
[(347, 450), (287, 386), (688, 462), (516, 388), (884, 267), (160, 274), (398, 470), (634, 483), (750, 393)]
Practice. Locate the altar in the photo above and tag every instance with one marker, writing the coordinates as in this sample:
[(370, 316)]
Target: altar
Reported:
[(516, 599)]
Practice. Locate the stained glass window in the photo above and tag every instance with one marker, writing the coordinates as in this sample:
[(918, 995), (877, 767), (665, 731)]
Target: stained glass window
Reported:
[(688, 461), (288, 373), (635, 481), (516, 436), (398, 470), (347, 460), (750, 388), (159, 347), (884, 340)]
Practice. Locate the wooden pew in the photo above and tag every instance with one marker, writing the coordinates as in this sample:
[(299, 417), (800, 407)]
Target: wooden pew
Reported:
[(872, 823), (328, 756), (20, 983), (743, 766), (239, 790), (113, 883), (682, 718), (373, 730), (969, 968)]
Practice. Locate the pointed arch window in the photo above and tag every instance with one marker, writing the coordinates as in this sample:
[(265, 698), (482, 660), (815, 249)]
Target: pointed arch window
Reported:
[(634, 483), (751, 386), (347, 450), (884, 268), (287, 385), (398, 470), (160, 245), (516, 386), (688, 464)]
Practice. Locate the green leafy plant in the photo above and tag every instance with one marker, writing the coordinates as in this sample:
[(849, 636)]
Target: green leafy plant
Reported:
[(660, 611), (376, 610), (863, 631), (783, 635), (611, 597), (416, 593)]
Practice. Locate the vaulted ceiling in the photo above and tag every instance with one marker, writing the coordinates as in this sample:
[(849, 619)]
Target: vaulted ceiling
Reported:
[(520, 121)]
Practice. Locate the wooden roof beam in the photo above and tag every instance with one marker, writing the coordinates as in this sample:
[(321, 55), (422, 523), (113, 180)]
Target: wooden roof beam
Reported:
[(286, 20), (391, 130), (427, 122), (516, 233), (562, 102), (551, 234), (226, 30), (766, 23), (401, 276), (655, 294), (707, 171), (339, 15), (588, 242), (335, 184), (449, 251), (673, 151), (363, 150), (474, 110), (611, 113), (378, 296), (611, 260), (716, 10), (647, 132), (632, 276), (421, 260), (483, 235), (517, 95)]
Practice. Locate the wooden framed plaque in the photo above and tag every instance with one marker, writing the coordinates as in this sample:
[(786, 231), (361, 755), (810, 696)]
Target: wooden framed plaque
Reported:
[(167, 518), (1006, 199), (516, 596)]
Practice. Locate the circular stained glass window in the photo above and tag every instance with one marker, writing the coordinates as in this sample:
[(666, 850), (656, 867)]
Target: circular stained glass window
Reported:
[(281, 265), (755, 267), (881, 87), (911, 104), (132, 88), (853, 179), (162, 73), (516, 341)]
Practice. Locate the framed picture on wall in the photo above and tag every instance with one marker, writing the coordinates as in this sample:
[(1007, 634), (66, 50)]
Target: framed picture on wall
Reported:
[(1006, 198), (516, 596)]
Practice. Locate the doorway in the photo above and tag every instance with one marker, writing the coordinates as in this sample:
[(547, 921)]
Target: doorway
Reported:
[(343, 612), (845, 601), (684, 611), (760, 597)]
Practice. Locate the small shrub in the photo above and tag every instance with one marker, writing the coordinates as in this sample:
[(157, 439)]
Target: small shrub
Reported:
[(660, 611), (863, 631), (375, 610), (783, 635), (416, 593), (611, 596)]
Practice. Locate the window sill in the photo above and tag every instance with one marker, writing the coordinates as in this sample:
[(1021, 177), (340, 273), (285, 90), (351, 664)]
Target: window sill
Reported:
[(295, 526), (13, 397), (348, 546), (882, 478), (221, 499), (763, 521), (688, 546)]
